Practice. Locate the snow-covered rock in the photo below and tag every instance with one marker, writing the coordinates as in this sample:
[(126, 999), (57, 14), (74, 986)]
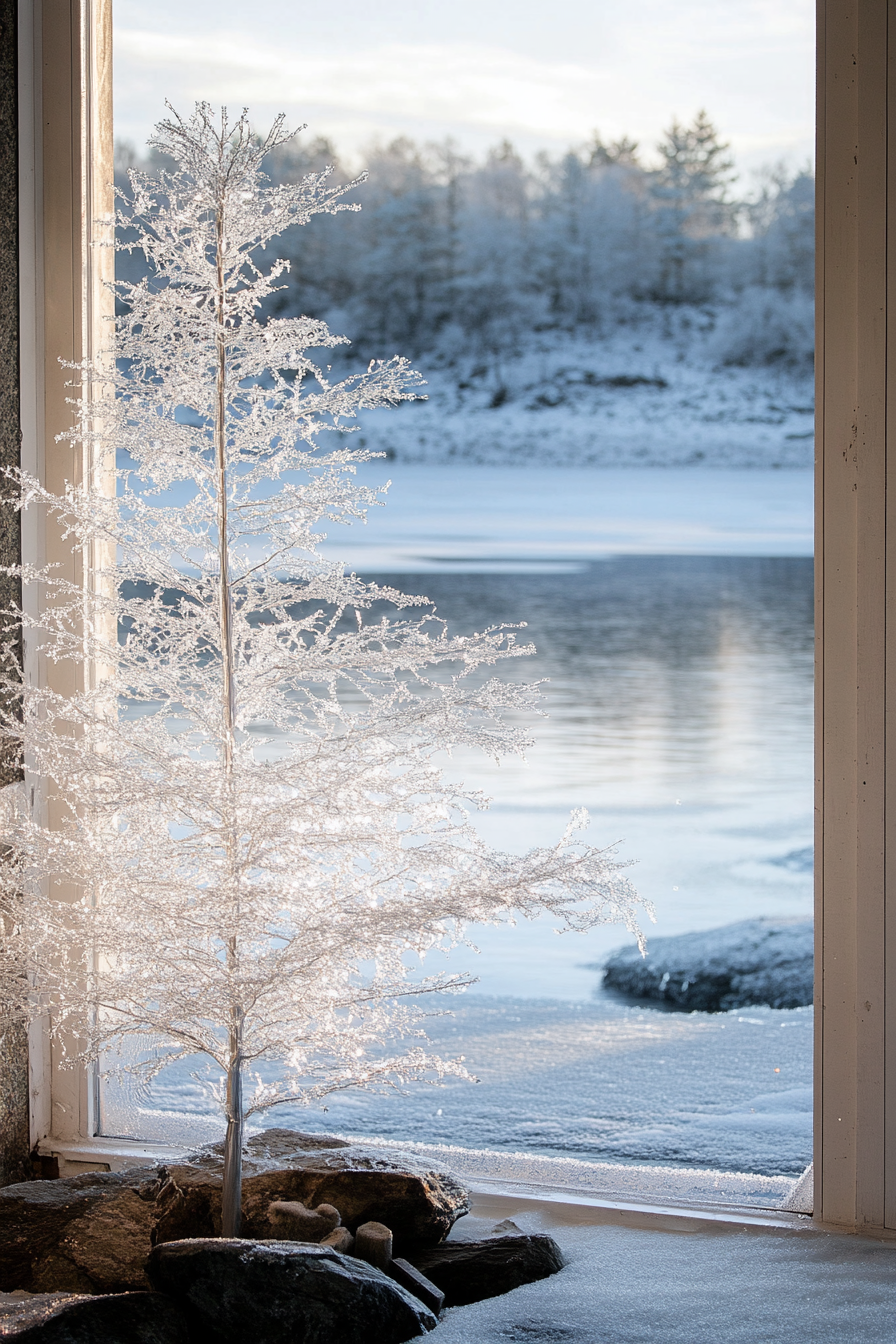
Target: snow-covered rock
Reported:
[(417, 1200), (758, 961)]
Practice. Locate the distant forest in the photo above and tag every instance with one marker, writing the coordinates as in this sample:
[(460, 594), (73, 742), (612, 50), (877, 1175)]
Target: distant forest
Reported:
[(449, 254)]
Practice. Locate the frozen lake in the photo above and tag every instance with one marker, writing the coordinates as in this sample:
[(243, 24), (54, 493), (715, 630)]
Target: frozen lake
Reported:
[(487, 519), (672, 616)]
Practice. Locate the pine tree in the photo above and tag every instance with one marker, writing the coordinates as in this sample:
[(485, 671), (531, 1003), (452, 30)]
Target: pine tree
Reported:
[(622, 153), (249, 802), (690, 189)]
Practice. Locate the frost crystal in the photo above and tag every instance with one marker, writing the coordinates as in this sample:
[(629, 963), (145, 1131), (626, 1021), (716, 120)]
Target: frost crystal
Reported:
[(248, 802)]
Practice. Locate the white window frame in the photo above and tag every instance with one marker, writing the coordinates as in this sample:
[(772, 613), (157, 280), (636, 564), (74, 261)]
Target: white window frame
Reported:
[(65, 52), (65, 205)]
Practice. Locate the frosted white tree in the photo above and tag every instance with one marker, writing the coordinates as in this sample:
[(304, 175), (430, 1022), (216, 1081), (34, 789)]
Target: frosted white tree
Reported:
[(252, 804)]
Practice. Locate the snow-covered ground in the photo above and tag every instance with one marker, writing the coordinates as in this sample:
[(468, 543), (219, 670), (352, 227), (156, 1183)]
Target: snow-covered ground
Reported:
[(649, 395), (603, 1082), (598, 1081), (633, 1286)]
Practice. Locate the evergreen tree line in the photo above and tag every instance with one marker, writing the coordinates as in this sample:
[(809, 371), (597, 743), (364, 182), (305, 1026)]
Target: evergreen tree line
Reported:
[(447, 253)]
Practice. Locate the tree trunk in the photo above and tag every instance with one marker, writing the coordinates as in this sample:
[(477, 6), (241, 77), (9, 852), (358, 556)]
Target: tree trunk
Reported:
[(231, 1196), (232, 1193)]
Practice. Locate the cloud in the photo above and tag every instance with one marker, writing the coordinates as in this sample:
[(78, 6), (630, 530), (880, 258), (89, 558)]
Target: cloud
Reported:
[(478, 86), (477, 91)]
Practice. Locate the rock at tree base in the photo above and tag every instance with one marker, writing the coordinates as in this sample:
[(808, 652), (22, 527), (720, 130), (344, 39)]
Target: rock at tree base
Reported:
[(59, 1318), (92, 1233), (272, 1144), (757, 961), (469, 1271), (85, 1234), (403, 1272), (419, 1203), (280, 1292)]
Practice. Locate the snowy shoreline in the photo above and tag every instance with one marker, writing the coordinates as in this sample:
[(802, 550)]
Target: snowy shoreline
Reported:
[(638, 398)]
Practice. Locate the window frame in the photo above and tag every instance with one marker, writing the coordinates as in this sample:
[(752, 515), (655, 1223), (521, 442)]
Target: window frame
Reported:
[(65, 207), (65, 154)]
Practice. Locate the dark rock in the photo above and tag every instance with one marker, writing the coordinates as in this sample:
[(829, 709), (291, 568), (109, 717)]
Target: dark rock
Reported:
[(469, 1271), (403, 1272), (88, 1233), (757, 961), (280, 1292), (273, 1144), (60, 1318)]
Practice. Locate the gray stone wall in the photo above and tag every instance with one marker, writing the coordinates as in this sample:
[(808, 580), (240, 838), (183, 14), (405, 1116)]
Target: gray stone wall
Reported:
[(14, 1160)]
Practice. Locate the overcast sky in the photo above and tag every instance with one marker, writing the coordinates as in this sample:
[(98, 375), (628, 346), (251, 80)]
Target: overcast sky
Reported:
[(543, 75)]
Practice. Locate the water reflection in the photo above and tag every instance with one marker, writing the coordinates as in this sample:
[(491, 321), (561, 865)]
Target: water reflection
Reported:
[(664, 672), (680, 714)]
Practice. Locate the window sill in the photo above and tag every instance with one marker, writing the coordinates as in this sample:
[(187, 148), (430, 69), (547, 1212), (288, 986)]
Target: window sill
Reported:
[(102, 1154), (497, 1196)]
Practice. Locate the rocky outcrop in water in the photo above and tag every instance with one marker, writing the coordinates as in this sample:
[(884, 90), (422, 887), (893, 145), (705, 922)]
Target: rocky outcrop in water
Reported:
[(755, 962)]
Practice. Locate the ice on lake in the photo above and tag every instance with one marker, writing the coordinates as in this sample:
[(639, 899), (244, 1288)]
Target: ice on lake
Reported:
[(483, 519)]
